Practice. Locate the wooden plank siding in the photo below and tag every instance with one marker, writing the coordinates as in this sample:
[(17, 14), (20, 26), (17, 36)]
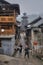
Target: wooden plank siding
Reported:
[(5, 22), (7, 32), (6, 19)]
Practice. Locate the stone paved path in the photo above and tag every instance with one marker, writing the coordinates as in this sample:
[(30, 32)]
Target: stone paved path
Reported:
[(23, 61), (20, 60)]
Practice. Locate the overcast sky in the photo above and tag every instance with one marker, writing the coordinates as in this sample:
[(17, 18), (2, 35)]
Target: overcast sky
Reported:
[(29, 6)]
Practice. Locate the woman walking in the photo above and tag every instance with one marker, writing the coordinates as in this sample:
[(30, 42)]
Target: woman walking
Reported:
[(20, 48), (26, 50)]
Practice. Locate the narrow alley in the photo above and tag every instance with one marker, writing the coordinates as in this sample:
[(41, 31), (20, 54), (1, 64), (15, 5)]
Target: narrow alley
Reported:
[(21, 60)]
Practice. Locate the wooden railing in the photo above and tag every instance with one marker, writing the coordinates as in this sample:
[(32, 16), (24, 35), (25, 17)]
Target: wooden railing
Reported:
[(7, 19), (7, 32)]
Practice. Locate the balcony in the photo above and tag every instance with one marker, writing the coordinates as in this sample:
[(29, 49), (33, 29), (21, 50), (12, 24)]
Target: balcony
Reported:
[(7, 33), (7, 19)]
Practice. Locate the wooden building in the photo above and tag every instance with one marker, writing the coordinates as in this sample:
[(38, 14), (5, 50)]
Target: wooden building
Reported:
[(37, 37), (8, 13)]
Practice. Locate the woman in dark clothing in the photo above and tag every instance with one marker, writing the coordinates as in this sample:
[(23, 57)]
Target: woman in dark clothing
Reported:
[(20, 48), (27, 51)]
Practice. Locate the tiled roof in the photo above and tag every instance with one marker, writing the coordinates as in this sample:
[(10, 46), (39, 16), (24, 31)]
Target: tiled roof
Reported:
[(12, 6), (35, 20), (4, 2), (40, 22)]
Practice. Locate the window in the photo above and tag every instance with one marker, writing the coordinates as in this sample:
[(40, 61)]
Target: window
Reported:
[(10, 19), (3, 19)]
